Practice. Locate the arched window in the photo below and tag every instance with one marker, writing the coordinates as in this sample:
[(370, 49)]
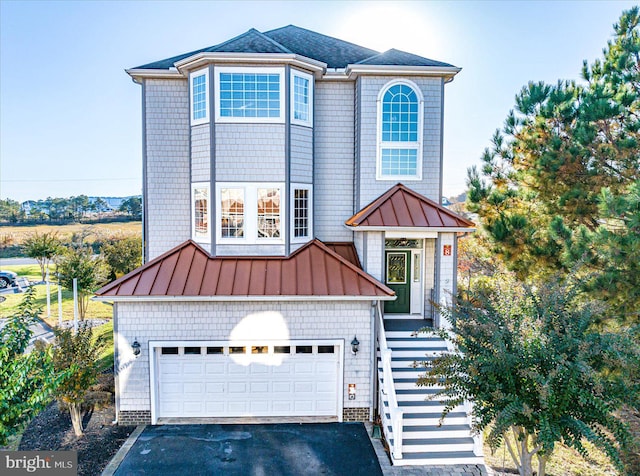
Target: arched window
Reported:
[(400, 134)]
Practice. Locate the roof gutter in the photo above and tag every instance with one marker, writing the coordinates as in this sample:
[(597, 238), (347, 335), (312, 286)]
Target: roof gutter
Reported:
[(412, 229), (200, 59), (354, 70), (138, 73), (237, 298)]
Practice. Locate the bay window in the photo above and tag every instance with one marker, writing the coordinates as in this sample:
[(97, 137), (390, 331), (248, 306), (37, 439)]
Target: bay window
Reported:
[(199, 82), (250, 213), (301, 213), (200, 222), (249, 94), (301, 98)]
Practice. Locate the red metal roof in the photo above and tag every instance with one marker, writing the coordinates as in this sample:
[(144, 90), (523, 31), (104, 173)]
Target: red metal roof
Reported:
[(402, 207), (188, 270), (346, 249)]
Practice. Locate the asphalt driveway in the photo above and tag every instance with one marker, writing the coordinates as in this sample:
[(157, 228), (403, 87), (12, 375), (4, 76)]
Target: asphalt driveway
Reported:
[(255, 450)]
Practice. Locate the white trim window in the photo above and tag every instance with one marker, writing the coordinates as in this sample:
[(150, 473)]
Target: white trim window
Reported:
[(269, 213), (200, 212), (400, 116), (301, 213), (199, 96), (249, 94), (231, 213), (250, 213), (301, 98)]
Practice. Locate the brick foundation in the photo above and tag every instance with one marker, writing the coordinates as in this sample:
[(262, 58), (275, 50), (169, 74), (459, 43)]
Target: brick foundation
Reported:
[(355, 414), (137, 417)]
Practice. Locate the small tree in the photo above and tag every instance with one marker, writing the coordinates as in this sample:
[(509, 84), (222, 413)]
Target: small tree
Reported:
[(27, 379), (533, 368), (90, 272), (122, 255), (132, 206), (80, 352), (43, 248)]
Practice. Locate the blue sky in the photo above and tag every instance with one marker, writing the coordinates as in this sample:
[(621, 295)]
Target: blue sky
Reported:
[(70, 118)]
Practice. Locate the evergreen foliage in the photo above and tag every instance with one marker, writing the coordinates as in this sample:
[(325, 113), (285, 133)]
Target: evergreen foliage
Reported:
[(556, 187), (533, 367)]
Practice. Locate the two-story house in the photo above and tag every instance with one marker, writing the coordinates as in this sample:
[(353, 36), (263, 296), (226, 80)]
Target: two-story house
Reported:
[(294, 241)]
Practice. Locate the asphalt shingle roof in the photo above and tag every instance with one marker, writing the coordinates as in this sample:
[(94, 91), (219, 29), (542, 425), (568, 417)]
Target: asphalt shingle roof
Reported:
[(397, 57), (334, 52)]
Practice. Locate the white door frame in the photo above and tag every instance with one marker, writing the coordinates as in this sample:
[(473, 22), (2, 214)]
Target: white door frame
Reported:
[(153, 362), (417, 259)]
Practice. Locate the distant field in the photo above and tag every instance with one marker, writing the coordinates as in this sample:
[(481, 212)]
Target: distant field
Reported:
[(15, 235)]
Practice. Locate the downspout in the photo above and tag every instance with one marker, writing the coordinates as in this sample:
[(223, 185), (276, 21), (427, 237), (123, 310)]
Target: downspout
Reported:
[(212, 162), (436, 297), (287, 161), (145, 208), (116, 377), (374, 360)]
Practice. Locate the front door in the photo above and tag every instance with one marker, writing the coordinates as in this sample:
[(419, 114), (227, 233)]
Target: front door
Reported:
[(397, 278)]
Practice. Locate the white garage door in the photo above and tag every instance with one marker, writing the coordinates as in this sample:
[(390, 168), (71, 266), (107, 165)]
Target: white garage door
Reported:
[(257, 379)]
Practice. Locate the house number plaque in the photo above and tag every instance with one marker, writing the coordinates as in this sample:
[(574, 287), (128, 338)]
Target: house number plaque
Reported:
[(446, 250), (352, 391)]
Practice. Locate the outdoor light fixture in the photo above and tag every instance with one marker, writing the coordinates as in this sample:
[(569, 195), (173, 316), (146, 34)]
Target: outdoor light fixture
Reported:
[(354, 345), (135, 347)]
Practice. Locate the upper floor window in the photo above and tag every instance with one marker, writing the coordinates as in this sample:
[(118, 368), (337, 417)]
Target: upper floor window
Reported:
[(200, 214), (400, 132), (199, 97), (250, 213), (301, 206), (301, 98), (249, 94)]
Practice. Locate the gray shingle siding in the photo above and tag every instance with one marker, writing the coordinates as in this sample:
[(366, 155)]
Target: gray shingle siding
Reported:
[(168, 214), (200, 151), (370, 188), (301, 154), (250, 152), (334, 159)]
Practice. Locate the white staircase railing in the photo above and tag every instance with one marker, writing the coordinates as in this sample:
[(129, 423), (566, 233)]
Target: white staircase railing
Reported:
[(388, 388)]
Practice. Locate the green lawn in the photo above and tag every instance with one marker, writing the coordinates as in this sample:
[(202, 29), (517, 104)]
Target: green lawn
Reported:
[(96, 310), (106, 332)]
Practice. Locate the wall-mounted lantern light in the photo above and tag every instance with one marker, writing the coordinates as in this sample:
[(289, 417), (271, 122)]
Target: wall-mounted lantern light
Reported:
[(355, 344), (135, 347)]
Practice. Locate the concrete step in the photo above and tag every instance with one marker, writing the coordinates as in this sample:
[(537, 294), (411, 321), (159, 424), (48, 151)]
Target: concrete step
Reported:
[(412, 417), (430, 445), (435, 431), (416, 353), (405, 371), (406, 334), (424, 406), (416, 343), (415, 394), (438, 458)]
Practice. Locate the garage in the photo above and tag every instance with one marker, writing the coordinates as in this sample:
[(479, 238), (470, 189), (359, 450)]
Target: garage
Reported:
[(247, 379)]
